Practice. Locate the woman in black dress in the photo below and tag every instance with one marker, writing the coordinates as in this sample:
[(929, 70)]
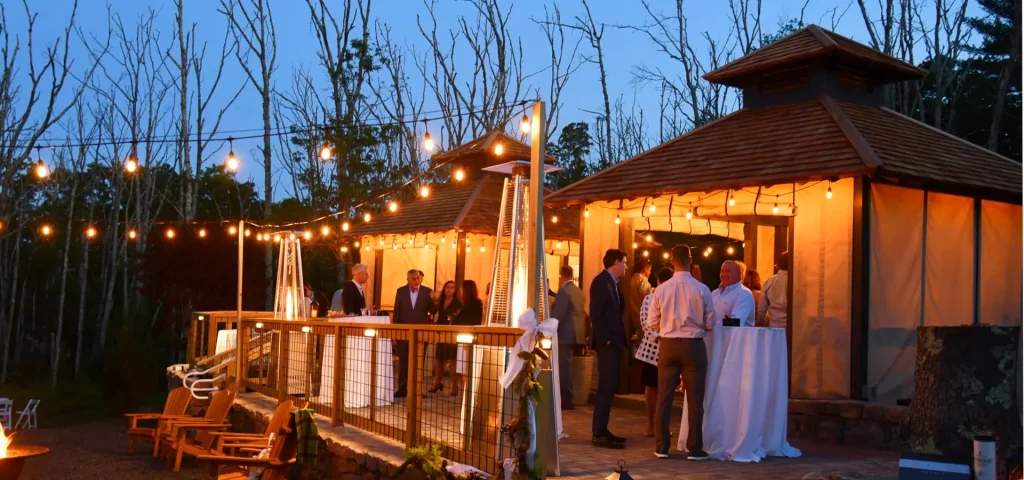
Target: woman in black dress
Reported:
[(448, 306), (472, 314)]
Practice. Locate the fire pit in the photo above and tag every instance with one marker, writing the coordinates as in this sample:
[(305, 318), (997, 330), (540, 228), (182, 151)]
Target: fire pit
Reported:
[(14, 460)]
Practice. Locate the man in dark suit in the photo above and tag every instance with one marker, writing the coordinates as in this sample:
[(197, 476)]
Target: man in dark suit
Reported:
[(609, 341), (568, 310), (351, 299), (413, 306)]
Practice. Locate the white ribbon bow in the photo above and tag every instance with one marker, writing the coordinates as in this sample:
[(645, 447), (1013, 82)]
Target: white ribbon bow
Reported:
[(527, 342)]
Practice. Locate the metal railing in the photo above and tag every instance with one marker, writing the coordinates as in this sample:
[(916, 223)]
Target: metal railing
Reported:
[(353, 373), (202, 333)]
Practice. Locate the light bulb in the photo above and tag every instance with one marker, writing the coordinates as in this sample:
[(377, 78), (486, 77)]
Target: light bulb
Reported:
[(382, 243), (356, 244), (617, 219), (42, 171), (730, 250), (482, 249), (291, 236), (132, 234), (828, 193), (524, 125), (650, 237), (459, 175), (307, 235), (411, 241), (426, 246), (586, 212), (775, 209), (499, 149), (131, 164), (554, 219), (344, 249), (366, 217), (277, 238), (707, 253), (442, 239), (689, 214), (428, 143), (634, 244), (90, 232), (393, 206), (664, 255), (325, 231), (732, 201), (325, 152), (709, 249), (202, 233), (467, 249), (170, 233), (646, 254), (652, 208), (344, 225), (367, 248), (259, 237), (248, 232), (558, 244), (424, 191), (232, 162), (46, 230)]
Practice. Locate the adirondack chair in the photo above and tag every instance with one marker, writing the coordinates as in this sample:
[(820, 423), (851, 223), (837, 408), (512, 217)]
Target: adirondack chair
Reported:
[(230, 442), (174, 437), (177, 402), (275, 465)]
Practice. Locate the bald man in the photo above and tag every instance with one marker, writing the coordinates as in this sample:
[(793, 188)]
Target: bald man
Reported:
[(732, 299)]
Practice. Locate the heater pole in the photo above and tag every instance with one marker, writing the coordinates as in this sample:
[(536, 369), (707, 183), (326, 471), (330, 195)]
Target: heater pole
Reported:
[(536, 249)]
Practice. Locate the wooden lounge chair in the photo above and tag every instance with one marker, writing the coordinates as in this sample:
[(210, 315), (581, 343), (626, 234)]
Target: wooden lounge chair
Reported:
[(275, 465), (177, 402), (230, 442), (174, 436)]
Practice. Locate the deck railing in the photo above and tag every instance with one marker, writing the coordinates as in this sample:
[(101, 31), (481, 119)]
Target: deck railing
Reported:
[(202, 333), (350, 372)]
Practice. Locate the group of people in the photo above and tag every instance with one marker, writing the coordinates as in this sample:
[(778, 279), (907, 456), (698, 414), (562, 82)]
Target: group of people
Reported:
[(675, 314)]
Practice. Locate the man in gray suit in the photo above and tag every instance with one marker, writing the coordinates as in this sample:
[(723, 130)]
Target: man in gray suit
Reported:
[(568, 310), (413, 306)]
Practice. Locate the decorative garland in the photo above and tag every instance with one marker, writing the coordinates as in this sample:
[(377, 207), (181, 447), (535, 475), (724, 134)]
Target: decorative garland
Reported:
[(522, 429)]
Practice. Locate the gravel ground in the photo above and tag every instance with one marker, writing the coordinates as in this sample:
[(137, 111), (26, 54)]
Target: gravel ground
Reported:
[(97, 450)]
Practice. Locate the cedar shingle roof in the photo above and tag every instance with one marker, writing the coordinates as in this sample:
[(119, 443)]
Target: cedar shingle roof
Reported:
[(814, 140), (482, 148), (810, 44), (471, 206)]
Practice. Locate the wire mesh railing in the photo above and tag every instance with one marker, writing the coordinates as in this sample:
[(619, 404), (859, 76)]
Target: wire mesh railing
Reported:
[(417, 384)]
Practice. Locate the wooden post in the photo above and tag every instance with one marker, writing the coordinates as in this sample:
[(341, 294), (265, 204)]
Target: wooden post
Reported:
[(750, 250), (460, 260), (412, 413), (282, 366), (626, 236), (339, 377), (860, 288)]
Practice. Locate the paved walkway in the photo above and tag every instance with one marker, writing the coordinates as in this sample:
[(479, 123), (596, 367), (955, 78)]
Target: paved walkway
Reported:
[(580, 460)]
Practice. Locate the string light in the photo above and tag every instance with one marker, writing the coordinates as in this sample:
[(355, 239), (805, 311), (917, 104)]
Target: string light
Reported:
[(42, 171), (46, 230), (382, 242), (775, 208), (499, 149), (308, 235), (344, 249), (652, 208), (231, 164), (367, 248), (232, 230), (277, 237), (356, 244), (646, 254), (344, 225), (393, 206), (617, 219), (524, 125), (730, 250), (634, 245), (649, 238), (248, 232), (732, 199), (291, 236), (428, 143), (170, 233), (132, 164), (132, 234), (689, 212), (202, 233), (259, 237), (325, 231), (664, 255), (442, 239), (90, 232), (554, 219), (707, 253), (424, 191), (586, 212), (366, 217), (459, 175), (828, 193), (482, 249), (709, 250), (325, 152)]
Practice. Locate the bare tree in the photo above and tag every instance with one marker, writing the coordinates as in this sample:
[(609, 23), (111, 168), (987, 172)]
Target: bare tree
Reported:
[(252, 23), (1005, 77), (746, 22), (561, 68)]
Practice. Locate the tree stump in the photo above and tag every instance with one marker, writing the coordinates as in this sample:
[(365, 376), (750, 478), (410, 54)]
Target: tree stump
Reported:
[(965, 384)]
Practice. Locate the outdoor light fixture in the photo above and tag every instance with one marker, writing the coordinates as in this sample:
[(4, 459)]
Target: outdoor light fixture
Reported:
[(356, 244), (259, 237), (344, 249), (42, 171), (524, 125), (828, 193), (459, 175), (248, 232), (646, 254), (231, 164), (634, 244), (307, 235), (558, 244), (586, 212), (730, 250), (428, 143), (617, 219), (369, 332), (325, 152), (664, 255), (201, 318), (277, 237), (689, 214), (499, 149), (306, 329), (170, 233), (707, 253), (90, 232), (775, 209), (291, 236), (202, 233), (259, 325), (649, 237), (424, 191), (732, 200), (464, 338), (482, 249)]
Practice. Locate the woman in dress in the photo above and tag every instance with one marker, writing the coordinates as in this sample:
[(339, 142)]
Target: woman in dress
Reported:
[(448, 306), (648, 354), (752, 280), (472, 313)]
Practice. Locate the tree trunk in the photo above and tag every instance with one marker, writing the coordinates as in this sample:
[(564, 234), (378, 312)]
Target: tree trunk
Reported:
[(1004, 82), (83, 277), (9, 325), (55, 354)]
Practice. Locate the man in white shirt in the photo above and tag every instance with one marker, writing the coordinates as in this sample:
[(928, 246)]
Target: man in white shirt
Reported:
[(682, 312), (732, 299), (773, 296)]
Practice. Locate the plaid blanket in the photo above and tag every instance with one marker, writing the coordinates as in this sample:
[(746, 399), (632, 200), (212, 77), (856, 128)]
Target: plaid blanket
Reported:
[(308, 435)]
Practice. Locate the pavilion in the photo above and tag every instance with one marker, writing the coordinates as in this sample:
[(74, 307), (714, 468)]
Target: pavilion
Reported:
[(891, 223), (450, 233)]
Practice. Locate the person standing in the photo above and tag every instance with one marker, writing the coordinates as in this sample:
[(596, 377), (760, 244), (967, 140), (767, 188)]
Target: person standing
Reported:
[(648, 354), (472, 314), (448, 306), (608, 340), (732, 299), (350, 299), (412, 307), (752, 280), (568, 309), (682, 312), (773, 297), (639, 288)]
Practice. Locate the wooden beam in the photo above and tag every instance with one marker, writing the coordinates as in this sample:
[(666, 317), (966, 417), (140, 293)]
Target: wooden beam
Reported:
[(460, 259), (582, 264), (977, 261), (750, 249), (378, 275), (859, 306), (770, 220)]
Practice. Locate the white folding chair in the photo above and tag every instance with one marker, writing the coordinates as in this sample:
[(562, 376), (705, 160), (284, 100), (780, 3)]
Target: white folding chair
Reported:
[(28, 415), (6, 405)]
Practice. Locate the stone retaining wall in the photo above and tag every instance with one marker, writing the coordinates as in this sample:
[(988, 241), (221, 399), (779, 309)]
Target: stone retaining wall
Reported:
[(846, 422)]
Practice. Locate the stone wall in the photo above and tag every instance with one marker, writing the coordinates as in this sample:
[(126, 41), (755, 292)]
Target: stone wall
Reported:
[(846, 422)]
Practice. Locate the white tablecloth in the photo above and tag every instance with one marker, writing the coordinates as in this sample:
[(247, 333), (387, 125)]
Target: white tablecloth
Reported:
[(746, 401), (357, 367)]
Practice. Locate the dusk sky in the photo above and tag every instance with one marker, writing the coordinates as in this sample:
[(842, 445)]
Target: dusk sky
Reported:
[(297, 48)]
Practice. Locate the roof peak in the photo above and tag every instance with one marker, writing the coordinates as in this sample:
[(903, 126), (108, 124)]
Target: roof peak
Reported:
[(813, 45)]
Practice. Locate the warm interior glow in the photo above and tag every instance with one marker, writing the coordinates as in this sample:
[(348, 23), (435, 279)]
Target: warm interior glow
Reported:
[(307, 329), (545, 343), (460, 175), (369, 332)]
